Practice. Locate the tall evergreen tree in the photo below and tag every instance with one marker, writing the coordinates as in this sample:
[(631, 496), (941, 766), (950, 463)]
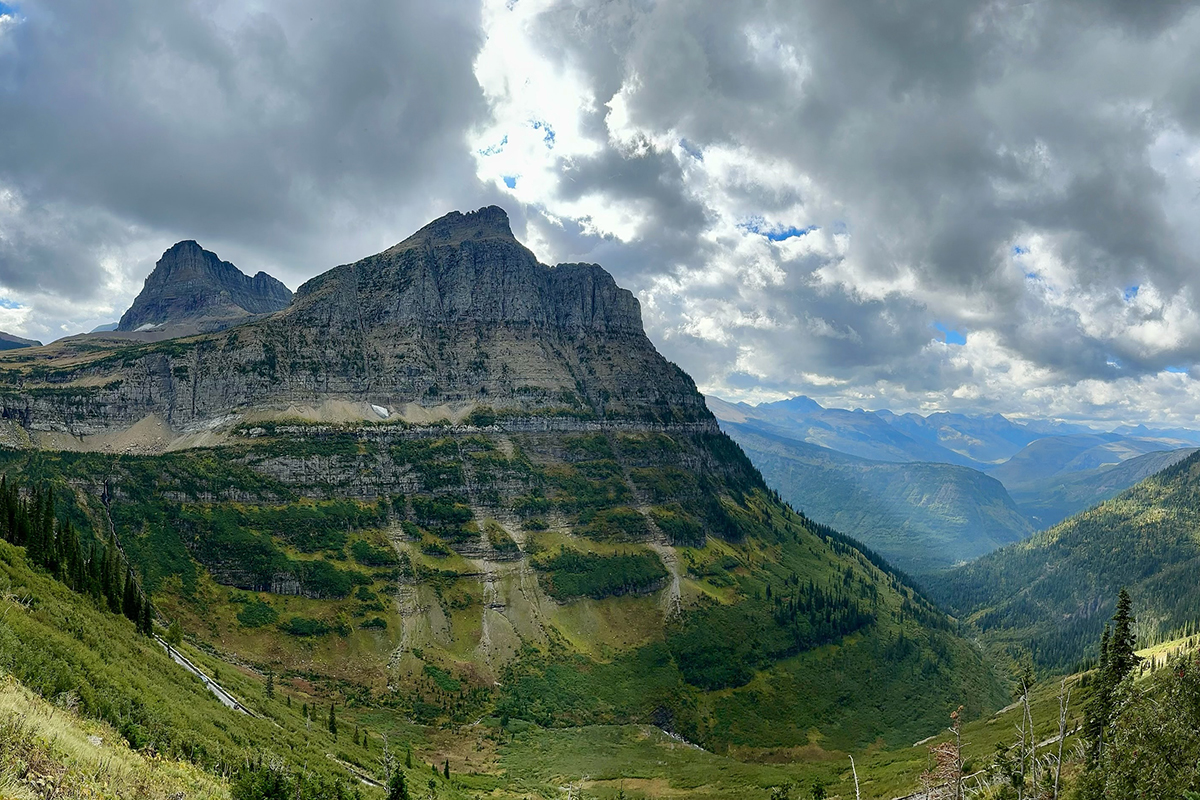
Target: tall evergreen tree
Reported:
[(131, 601), (1118, 658), (146, 619), (397, 790), (1122, 657)]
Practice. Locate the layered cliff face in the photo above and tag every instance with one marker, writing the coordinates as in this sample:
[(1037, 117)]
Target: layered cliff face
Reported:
[(458, 316), (192, 290)]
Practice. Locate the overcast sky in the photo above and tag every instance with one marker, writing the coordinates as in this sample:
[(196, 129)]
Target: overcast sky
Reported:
[(934, 204)]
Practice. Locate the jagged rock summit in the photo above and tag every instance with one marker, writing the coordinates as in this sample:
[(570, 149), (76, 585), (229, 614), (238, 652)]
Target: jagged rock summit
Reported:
[(192, 290), (456, 317)]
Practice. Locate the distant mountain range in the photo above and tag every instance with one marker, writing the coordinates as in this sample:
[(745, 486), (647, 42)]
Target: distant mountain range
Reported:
[(922, 516), (932, 491), (10, 342)]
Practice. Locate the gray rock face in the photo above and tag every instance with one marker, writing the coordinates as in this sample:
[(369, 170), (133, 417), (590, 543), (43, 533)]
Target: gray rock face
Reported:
[(468, 268), (190, 286), (459, 313)]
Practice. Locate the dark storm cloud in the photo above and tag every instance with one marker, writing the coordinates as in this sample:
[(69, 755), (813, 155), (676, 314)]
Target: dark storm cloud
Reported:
[(301, 132)]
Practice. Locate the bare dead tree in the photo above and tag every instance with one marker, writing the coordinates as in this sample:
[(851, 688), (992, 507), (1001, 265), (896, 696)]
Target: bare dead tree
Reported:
[(944, 779), (387, 762), (1028, 714), (1064, 707), (854, 770)]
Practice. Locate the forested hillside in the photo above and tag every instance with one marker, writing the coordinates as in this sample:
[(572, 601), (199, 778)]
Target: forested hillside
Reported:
[(1051, 594)]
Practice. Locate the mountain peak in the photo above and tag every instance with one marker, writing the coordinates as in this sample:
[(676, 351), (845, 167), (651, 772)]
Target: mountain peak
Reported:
[(193, 290), (489, 222)]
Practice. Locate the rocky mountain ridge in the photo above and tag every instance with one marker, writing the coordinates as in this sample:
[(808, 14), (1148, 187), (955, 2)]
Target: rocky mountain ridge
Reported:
[(458, 316), (191, 290)]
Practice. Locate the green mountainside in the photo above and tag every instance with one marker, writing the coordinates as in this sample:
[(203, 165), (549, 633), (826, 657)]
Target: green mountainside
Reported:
[(1053, 593), (588, 575), (923, 517)]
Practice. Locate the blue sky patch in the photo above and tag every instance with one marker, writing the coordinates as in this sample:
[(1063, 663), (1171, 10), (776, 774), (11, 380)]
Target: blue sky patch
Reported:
[(1130, 293), (5, 8), (789, 233), (4, 301), (1178, 370), (548, 132), (493, 149), (949, 335), (691, 149), (510, 181), (775, 234), (1018, 250)]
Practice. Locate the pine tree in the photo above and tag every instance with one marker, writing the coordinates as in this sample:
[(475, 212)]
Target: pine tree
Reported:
[(270, 684), (408, 756), (397, 790), (131, 599), (175, 634), (1122, 657), (146, 620), (332, 722), (446, 769), (1117, 660), (36, 544)]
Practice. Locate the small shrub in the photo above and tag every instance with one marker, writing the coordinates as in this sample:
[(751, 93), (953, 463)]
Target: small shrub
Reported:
[(302, 626), (256, 614)]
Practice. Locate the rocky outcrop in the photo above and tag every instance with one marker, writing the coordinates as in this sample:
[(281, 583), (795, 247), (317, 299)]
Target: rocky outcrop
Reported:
[(459, 314), (191, 288)]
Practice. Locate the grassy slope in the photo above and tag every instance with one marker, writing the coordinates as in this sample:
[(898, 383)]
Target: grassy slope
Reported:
[(1053, 593), (608, 661), (470, 618), (50, 750), (644, 762), (59, 645), (524, 761), (923, 517)]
